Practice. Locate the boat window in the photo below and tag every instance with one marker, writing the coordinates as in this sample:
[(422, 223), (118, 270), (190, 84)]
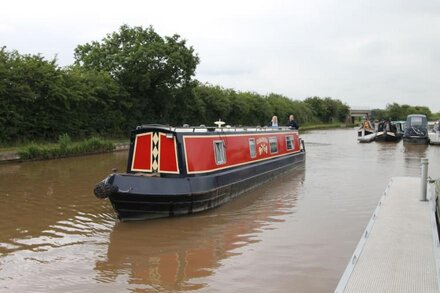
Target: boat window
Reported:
[(273, 145), (252, 149), (416, 121), (289, 142), (219, 151)]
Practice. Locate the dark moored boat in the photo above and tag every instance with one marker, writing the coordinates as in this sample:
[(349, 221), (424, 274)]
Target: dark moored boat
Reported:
[(183, 170), (416, 130), (390, 131)]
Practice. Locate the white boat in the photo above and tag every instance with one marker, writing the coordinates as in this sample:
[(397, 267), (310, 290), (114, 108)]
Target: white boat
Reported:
[(367, 138), (434, 134), (366, 133)]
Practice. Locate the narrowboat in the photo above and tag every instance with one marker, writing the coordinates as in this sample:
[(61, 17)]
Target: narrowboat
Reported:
[(182, 170), (434, 134), (366, 133), (416, 130), (389, 131)]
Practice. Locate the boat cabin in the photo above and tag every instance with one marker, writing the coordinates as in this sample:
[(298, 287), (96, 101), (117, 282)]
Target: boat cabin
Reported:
[(416, 130), (170, 151)]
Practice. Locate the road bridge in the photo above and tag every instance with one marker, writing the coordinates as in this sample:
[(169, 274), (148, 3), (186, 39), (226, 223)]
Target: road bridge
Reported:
[(359, 112)]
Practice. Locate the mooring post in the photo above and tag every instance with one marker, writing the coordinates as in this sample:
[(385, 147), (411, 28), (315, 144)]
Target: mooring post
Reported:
[(424, 178)]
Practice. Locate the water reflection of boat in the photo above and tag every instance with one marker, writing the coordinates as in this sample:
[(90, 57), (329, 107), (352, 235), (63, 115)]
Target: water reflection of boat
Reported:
[(416, 130), (182, 170), (366, 133), (389, 131), (172, 255)]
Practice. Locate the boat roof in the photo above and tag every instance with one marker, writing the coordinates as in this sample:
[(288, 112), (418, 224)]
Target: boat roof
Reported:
[(416, 115), (203, 128)]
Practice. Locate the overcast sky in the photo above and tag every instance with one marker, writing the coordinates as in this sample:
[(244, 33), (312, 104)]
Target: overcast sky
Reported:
[(365, 53)]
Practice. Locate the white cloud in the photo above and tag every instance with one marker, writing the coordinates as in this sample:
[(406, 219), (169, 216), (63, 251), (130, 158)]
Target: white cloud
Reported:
[(362, 52)]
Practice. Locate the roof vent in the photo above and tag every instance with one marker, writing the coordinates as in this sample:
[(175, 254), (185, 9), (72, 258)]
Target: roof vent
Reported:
[(219, 123)]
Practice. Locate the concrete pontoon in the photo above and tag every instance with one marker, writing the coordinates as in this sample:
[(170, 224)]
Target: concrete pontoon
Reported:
[(399, 249)]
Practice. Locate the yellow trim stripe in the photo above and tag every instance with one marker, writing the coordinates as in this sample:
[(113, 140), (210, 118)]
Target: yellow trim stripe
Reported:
[(241, 164), (175, 153), (134, 153)]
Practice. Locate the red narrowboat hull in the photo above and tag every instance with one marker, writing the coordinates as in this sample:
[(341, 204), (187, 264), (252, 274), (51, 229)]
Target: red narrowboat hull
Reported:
[(175, 171)]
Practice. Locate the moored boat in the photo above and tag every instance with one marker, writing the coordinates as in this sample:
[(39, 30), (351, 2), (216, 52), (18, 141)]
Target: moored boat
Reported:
[(434, 135), (389, 131), (366, 133), (416, 130), (182, 170)]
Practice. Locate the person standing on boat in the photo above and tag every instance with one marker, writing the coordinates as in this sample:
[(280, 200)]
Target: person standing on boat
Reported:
[(292, 123), (274, 121), (367, 125)]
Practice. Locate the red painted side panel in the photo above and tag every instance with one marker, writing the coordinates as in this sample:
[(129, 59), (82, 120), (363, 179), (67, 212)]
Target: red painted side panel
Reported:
[(200, 156), (199, 153), (168, 155), (142, 153)]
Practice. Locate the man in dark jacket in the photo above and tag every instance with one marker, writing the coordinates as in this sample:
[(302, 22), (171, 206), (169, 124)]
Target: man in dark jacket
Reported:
[(292, 123)]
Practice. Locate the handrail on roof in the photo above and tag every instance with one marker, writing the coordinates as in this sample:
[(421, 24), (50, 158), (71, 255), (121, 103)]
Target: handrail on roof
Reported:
[(203, 128)]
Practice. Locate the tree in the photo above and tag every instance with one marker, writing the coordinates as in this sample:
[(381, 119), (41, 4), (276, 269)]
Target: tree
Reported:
[(338, 111), (152, 69), (378, 114), (97, 103), (281, 107), (328, 109), (31, 96), (216, 103), (39, 100), (303, 113), (10, 118), (395, 111), (318, 108)]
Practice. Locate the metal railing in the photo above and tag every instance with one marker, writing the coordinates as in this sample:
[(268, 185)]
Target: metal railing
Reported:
[(227, 128)]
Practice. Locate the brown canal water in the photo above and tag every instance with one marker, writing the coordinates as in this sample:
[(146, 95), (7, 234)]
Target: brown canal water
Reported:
[(294, 234)]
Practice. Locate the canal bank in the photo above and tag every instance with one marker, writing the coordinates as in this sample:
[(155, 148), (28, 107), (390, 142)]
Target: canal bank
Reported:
[(14, 156)]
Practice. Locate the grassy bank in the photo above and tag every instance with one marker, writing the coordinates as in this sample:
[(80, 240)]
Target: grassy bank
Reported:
[(64, 148), (323, 126)]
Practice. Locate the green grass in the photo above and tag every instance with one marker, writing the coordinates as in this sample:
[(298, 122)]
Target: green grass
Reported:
[(64, 148), (323, 126), (16, 147)]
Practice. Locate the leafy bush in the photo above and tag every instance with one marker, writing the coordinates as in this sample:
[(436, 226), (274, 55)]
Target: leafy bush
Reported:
[(65, 148), (64, 142), (31, 151)]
